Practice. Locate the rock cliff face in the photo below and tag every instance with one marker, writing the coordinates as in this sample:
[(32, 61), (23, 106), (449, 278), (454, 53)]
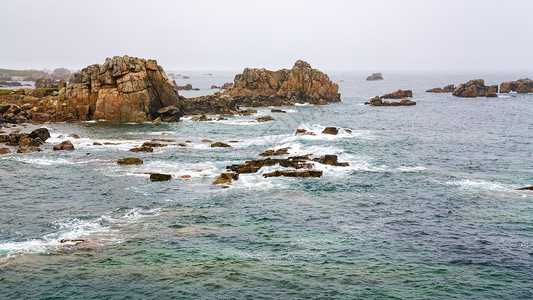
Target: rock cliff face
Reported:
[(301, 84), (126, 89), (475, 88), (521, 86)]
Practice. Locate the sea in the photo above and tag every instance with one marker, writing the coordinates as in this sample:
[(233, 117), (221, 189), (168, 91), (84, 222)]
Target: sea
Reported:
[(428, 207)]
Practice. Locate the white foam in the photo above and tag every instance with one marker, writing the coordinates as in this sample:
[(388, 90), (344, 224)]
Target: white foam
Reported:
[(40, 161), (476, 184)]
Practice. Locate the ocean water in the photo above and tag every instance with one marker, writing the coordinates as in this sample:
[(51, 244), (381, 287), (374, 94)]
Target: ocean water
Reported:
[(426, 209)]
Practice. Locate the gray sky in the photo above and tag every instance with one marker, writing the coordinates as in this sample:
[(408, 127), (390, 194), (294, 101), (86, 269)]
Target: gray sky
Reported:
[(230, 35)]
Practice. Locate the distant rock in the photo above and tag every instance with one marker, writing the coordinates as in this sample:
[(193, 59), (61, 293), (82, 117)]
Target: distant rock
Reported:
[(399, 94), (265, 118), (375, 76), (66, 146), (160, 177), (475, 88), (332, 160), (275, 110), (301, 131), (130, 161), (219, 144), (447, 89), (187, 87), (45, 83), (376, 101), (306, 173), (330, 130), (60, 74), (142, 149), (281, 151), (521, 86), (202, 118), (527, 188)]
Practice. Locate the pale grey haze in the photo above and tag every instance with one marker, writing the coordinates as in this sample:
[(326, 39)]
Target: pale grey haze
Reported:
[(230, 35)]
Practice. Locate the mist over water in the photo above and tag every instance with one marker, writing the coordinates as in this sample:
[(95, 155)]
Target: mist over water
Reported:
[(426, 209)]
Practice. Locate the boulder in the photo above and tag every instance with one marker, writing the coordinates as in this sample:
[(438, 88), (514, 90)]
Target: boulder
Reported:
[(219, 144), (130, 161), (41, 133), (278, 152), (521, 86), (65, 145), (447, 89), (375, 76), (160, 177), (306, 173), (332, 160), (265, 118), (4, 150), (475, 88), (330, 130), (226, 178)]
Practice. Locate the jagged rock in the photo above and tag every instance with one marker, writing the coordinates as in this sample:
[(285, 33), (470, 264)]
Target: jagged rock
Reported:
[(142, 149), (226, 178), (4, 150), (475, 88), (301, 84), (399, 94), (330, 130), (375, 76), (66, 145), (41, 133), (332, 160), (45, 83), (219, 144), (265, 118), (130, 161), (226, 85), (253, 166), (160, 177), (220, 104), (282, 151), (527, 188), (301, 131), (306, 173), (521, 86), (274, 110), (28, 149), (447, 89)]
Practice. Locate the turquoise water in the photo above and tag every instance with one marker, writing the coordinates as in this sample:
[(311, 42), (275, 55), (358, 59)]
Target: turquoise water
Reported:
[(426, 209)]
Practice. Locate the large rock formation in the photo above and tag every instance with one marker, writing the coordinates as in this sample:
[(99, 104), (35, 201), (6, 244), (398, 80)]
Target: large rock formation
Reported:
[(521, 86), (301, 84), (475, 88), (375, 76)]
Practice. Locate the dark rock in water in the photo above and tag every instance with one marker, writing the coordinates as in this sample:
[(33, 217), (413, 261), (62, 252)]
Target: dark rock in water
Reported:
[(202, 118), (142, 149), (187, 87), (28, 149), (170, 114), (330, 130), (130, 161), (301, 131), (527, 188), (219, 144), (332, 160), (160, 177), (282, 151), (4, 150), (475, 88), (41, 133), (153, 145), (265, 118), (376, 101), (375, 76), (73, 136), (206, 141), (399, 94), (226, 178), (447, 89), (62, 241), (248, 112), (221, 118), (306, 173), (275, 110), (521, 86), (26, 141), (253, 166), (97, 144), (66, 145)]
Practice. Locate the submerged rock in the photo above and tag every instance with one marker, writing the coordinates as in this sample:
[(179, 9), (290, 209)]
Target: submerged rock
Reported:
[(66, 145), (306, 173), (521, 86), (475, 88), (130, 161), (447, 89), (375, 76), (226, 178), (160, 177)]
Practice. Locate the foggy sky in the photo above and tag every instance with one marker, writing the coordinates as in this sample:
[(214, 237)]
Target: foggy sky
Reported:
[(231, 35)]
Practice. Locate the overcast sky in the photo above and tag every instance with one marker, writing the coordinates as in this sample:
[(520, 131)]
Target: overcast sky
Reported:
[(230, 35)]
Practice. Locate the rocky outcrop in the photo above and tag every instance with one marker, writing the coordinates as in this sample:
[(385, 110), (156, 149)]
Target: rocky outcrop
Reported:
[(212, 104), (220, 145), (265, 118), (399, 94), (377, 101), (330, 130), (447, 89), (130, 161), (160, 177), (187, 87), (278, 152), (226, 178), (475, 88), (301, 84), (375, 76), (65, 146), (26, 143), (521, 86)]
